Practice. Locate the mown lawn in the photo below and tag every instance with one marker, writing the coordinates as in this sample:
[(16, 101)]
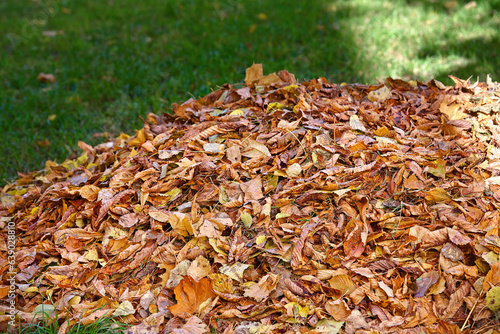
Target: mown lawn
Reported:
[(118, 60)]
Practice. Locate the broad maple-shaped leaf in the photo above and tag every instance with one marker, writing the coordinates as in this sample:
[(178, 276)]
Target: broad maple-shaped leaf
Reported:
[(190, 295)]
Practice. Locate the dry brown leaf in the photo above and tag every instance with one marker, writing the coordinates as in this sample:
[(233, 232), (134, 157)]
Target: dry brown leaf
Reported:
[(193, 325), (279, 207), (199, 268), (261, 290), (338, 309), (46, 78), (255, 76)]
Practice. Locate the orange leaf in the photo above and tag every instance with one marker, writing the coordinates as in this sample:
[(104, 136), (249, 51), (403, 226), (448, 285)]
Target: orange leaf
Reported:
[(413, 183), (190, 295)]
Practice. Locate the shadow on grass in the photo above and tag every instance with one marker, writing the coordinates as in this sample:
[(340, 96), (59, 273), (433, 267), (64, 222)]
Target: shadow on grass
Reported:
[(475, 54)]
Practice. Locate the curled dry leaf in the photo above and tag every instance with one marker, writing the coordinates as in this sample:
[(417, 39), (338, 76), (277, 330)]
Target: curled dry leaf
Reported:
[(263, 288), (46, 77)]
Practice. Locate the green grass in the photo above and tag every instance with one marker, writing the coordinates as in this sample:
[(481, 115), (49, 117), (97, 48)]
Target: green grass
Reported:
[(118, 60), (44, 325), (101, 326)]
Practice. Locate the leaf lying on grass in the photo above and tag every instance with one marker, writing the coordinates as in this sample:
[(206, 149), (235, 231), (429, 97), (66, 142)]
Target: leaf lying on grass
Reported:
[(274, 207)]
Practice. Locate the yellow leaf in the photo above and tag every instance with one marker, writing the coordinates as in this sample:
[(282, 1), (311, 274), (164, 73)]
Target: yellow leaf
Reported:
[(92, 255), (222, 283), (180, 222), (213, 243), (437, 195), (18, 192), (260, 239), (437, 287), (31, 289), (236, 112), (138, 139), (246, 218), (82, 159), (380, 94), (381, 132), (125, 308), (172, 193), (439, 170), (303, 310), (123, 136), (329, 326), (234, 271), (343, 283), (280, 173), (75, 300), (132, 153), (153, 308), (493, 298), (115, 232), (273, 106), (291, 88)]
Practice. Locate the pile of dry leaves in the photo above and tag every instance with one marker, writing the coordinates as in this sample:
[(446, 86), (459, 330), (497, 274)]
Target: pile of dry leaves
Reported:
[(275, 207)]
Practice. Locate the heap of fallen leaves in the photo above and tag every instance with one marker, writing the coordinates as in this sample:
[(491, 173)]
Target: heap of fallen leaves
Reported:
[(276, 207)]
